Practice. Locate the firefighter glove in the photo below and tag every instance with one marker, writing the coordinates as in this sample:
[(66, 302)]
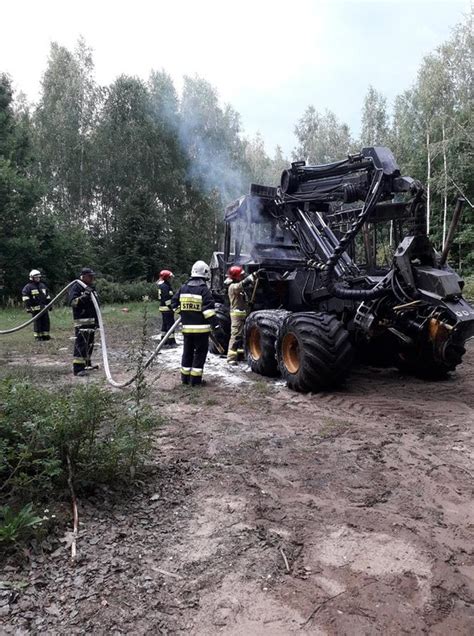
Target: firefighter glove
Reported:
[(217, 329)]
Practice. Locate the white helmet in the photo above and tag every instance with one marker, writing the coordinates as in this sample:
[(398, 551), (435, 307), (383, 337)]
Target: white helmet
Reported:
[(35, 272), (200, 269)]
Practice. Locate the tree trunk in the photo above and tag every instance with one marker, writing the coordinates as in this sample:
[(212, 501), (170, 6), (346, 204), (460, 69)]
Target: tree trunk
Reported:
[(445, 194), (81, 177), (428, 183)]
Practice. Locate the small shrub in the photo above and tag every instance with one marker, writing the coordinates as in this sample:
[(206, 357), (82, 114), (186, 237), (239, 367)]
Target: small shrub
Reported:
[(40, 430), (16, 526)]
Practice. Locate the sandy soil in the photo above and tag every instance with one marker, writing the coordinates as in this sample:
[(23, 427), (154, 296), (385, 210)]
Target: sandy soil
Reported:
[(270, 512)]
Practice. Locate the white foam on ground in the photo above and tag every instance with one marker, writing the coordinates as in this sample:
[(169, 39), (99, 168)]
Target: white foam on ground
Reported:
[(215, 367)]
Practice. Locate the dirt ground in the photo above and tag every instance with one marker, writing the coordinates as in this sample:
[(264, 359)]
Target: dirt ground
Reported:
[(271, 512)]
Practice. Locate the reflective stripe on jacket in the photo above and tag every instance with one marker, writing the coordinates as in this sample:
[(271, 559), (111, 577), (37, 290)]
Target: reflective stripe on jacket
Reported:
[(195, 305), (239, 304), (35, 296), (83, 309), (165, 294)]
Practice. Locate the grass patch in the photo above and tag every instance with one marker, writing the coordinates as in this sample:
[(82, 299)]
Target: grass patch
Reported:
[(122, 329), (333, 428), (262, 387)]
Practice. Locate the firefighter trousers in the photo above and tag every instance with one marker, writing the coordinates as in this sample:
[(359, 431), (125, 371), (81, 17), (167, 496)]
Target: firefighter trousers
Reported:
[(195, 348), (83, 348), (41, 326), (236, 342), (167, 320)]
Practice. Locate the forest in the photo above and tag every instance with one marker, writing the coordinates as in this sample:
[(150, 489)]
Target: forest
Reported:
[(134, 176)]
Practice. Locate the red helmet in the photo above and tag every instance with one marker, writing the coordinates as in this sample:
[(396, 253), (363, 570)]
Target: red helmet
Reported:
[(165, 274), (235, 272)]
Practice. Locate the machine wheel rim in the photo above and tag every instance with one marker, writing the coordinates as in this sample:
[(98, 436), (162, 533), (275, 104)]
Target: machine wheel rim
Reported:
[(290, 352), (254, 343)]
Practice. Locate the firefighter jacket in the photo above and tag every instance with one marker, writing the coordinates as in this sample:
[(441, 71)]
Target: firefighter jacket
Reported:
[(35, 296), (165, 294), (83, 309), (195, 305), (238, 296)]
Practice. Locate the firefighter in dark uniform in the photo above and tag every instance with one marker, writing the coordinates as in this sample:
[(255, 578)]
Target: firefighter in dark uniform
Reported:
[(85, 322), (195, 304), (35, 296), (165, 293)]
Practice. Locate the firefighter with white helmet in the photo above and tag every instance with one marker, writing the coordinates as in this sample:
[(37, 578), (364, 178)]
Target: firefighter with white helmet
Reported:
[(165, 294), (35, 296), (195, 304)]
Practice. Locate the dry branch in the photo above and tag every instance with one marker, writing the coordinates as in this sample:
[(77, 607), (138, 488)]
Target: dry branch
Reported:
[(75, 514), (285, 560)]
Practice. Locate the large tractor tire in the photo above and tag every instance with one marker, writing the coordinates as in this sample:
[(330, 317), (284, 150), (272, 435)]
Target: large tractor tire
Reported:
[(223, 316), (428, 365), (314, 351), (261, 333)]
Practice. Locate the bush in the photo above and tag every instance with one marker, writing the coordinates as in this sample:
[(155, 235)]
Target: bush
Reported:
[(16, 526), (42, 431), (112, 292), (468, 291)]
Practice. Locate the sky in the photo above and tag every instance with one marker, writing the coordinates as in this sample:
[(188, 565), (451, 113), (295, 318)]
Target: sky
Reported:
[(269, 59)]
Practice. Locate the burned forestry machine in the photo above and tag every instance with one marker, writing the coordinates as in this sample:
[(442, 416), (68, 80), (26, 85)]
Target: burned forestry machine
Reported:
[(347, 270)]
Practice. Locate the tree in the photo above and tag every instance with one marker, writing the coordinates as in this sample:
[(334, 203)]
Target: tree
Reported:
[(126, 172), (375, 126), (279, 163), (210, 138), (19, 193), (137, 249), (431, 127), (321, 138), (259, 163), (64, 122)]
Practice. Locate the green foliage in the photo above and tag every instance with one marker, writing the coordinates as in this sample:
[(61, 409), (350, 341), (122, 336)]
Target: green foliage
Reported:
[(321, 137), (432, 134), (18, 193), (375, 125), (468, 290), (16, 526), (114, 292), (104, 437)]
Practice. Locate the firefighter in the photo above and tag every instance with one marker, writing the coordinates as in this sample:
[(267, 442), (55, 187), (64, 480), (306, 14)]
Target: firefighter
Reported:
[(195, 304), (35, 296), (85, 322), (165, 293), (239, 289)]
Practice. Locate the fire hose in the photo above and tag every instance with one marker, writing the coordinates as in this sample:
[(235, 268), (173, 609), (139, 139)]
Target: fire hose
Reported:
[(105, 357)]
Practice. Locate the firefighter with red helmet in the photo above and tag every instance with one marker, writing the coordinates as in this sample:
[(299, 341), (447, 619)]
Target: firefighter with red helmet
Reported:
[(239, 288), (165, 294)]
